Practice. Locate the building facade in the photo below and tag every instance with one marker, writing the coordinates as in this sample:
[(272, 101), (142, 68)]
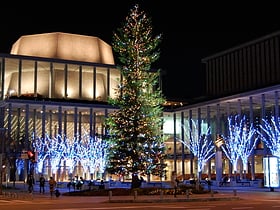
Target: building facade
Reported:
[(53, 97), (242, 81)]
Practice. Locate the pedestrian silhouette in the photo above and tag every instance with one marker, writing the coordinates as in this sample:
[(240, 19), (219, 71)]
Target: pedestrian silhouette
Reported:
[(30, 182), (52, 185), (42, 184)]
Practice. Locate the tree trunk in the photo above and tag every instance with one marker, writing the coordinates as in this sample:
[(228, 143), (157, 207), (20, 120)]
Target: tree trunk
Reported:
[(198, 181)]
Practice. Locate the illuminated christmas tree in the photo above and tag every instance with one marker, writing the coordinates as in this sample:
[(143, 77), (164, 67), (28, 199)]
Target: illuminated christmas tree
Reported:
[(135, 129)]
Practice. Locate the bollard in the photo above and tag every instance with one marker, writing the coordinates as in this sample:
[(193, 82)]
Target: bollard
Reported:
[(15, 195), (161, 194), (234, 192), (135, 194), (212, 193), (110, 195), (187, 193)]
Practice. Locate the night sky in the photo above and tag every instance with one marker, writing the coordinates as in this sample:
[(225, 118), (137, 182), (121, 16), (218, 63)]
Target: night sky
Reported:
[(191, 31)]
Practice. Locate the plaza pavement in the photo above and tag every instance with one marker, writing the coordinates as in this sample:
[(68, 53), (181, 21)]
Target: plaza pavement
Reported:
[(218, 193)]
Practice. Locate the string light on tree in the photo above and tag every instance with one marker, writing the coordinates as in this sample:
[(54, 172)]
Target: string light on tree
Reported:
[(240, 142), (136, 142), (88, 151), (270, 134), (200, 144)]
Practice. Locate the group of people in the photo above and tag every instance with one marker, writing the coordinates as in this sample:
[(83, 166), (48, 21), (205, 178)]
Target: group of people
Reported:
[(76, 183), (52, 185)]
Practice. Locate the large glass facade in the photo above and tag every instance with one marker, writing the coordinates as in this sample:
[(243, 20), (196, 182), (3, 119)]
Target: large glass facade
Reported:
[(48, 79), (44, 100), (255, 105), (61, 102)]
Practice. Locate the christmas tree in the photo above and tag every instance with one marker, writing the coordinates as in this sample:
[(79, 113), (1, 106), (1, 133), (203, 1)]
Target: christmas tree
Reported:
[(135, 129)]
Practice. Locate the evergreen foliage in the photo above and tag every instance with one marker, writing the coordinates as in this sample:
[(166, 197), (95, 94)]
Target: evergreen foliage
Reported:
[(135, 135)]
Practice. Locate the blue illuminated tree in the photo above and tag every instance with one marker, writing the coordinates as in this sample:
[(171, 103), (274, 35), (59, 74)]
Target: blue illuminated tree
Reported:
[(240, 142), (270, 134), (90, 152), (201, 145)]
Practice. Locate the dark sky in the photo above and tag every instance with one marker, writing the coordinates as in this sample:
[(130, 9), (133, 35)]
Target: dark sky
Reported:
[(191, 31)]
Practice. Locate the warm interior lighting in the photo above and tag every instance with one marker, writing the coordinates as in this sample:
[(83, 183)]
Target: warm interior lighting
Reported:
[(64, 46)]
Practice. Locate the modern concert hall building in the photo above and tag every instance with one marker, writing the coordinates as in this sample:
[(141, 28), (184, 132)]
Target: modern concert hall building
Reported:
[(53, 96)]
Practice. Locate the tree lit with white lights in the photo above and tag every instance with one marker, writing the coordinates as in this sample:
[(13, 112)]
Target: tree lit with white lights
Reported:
[(63, 154), (135, 129), (270, 135), (240, 142), (200, 144)]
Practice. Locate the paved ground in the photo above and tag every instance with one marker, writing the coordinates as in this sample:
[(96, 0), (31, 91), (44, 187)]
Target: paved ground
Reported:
[(218, 193)]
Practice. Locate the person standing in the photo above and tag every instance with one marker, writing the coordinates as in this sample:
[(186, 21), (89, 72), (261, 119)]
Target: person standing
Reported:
[(174, 182), (30, 182), (42, 184), (52, 185)]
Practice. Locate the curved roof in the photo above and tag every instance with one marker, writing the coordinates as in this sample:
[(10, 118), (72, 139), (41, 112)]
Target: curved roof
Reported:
[(64, 46)]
